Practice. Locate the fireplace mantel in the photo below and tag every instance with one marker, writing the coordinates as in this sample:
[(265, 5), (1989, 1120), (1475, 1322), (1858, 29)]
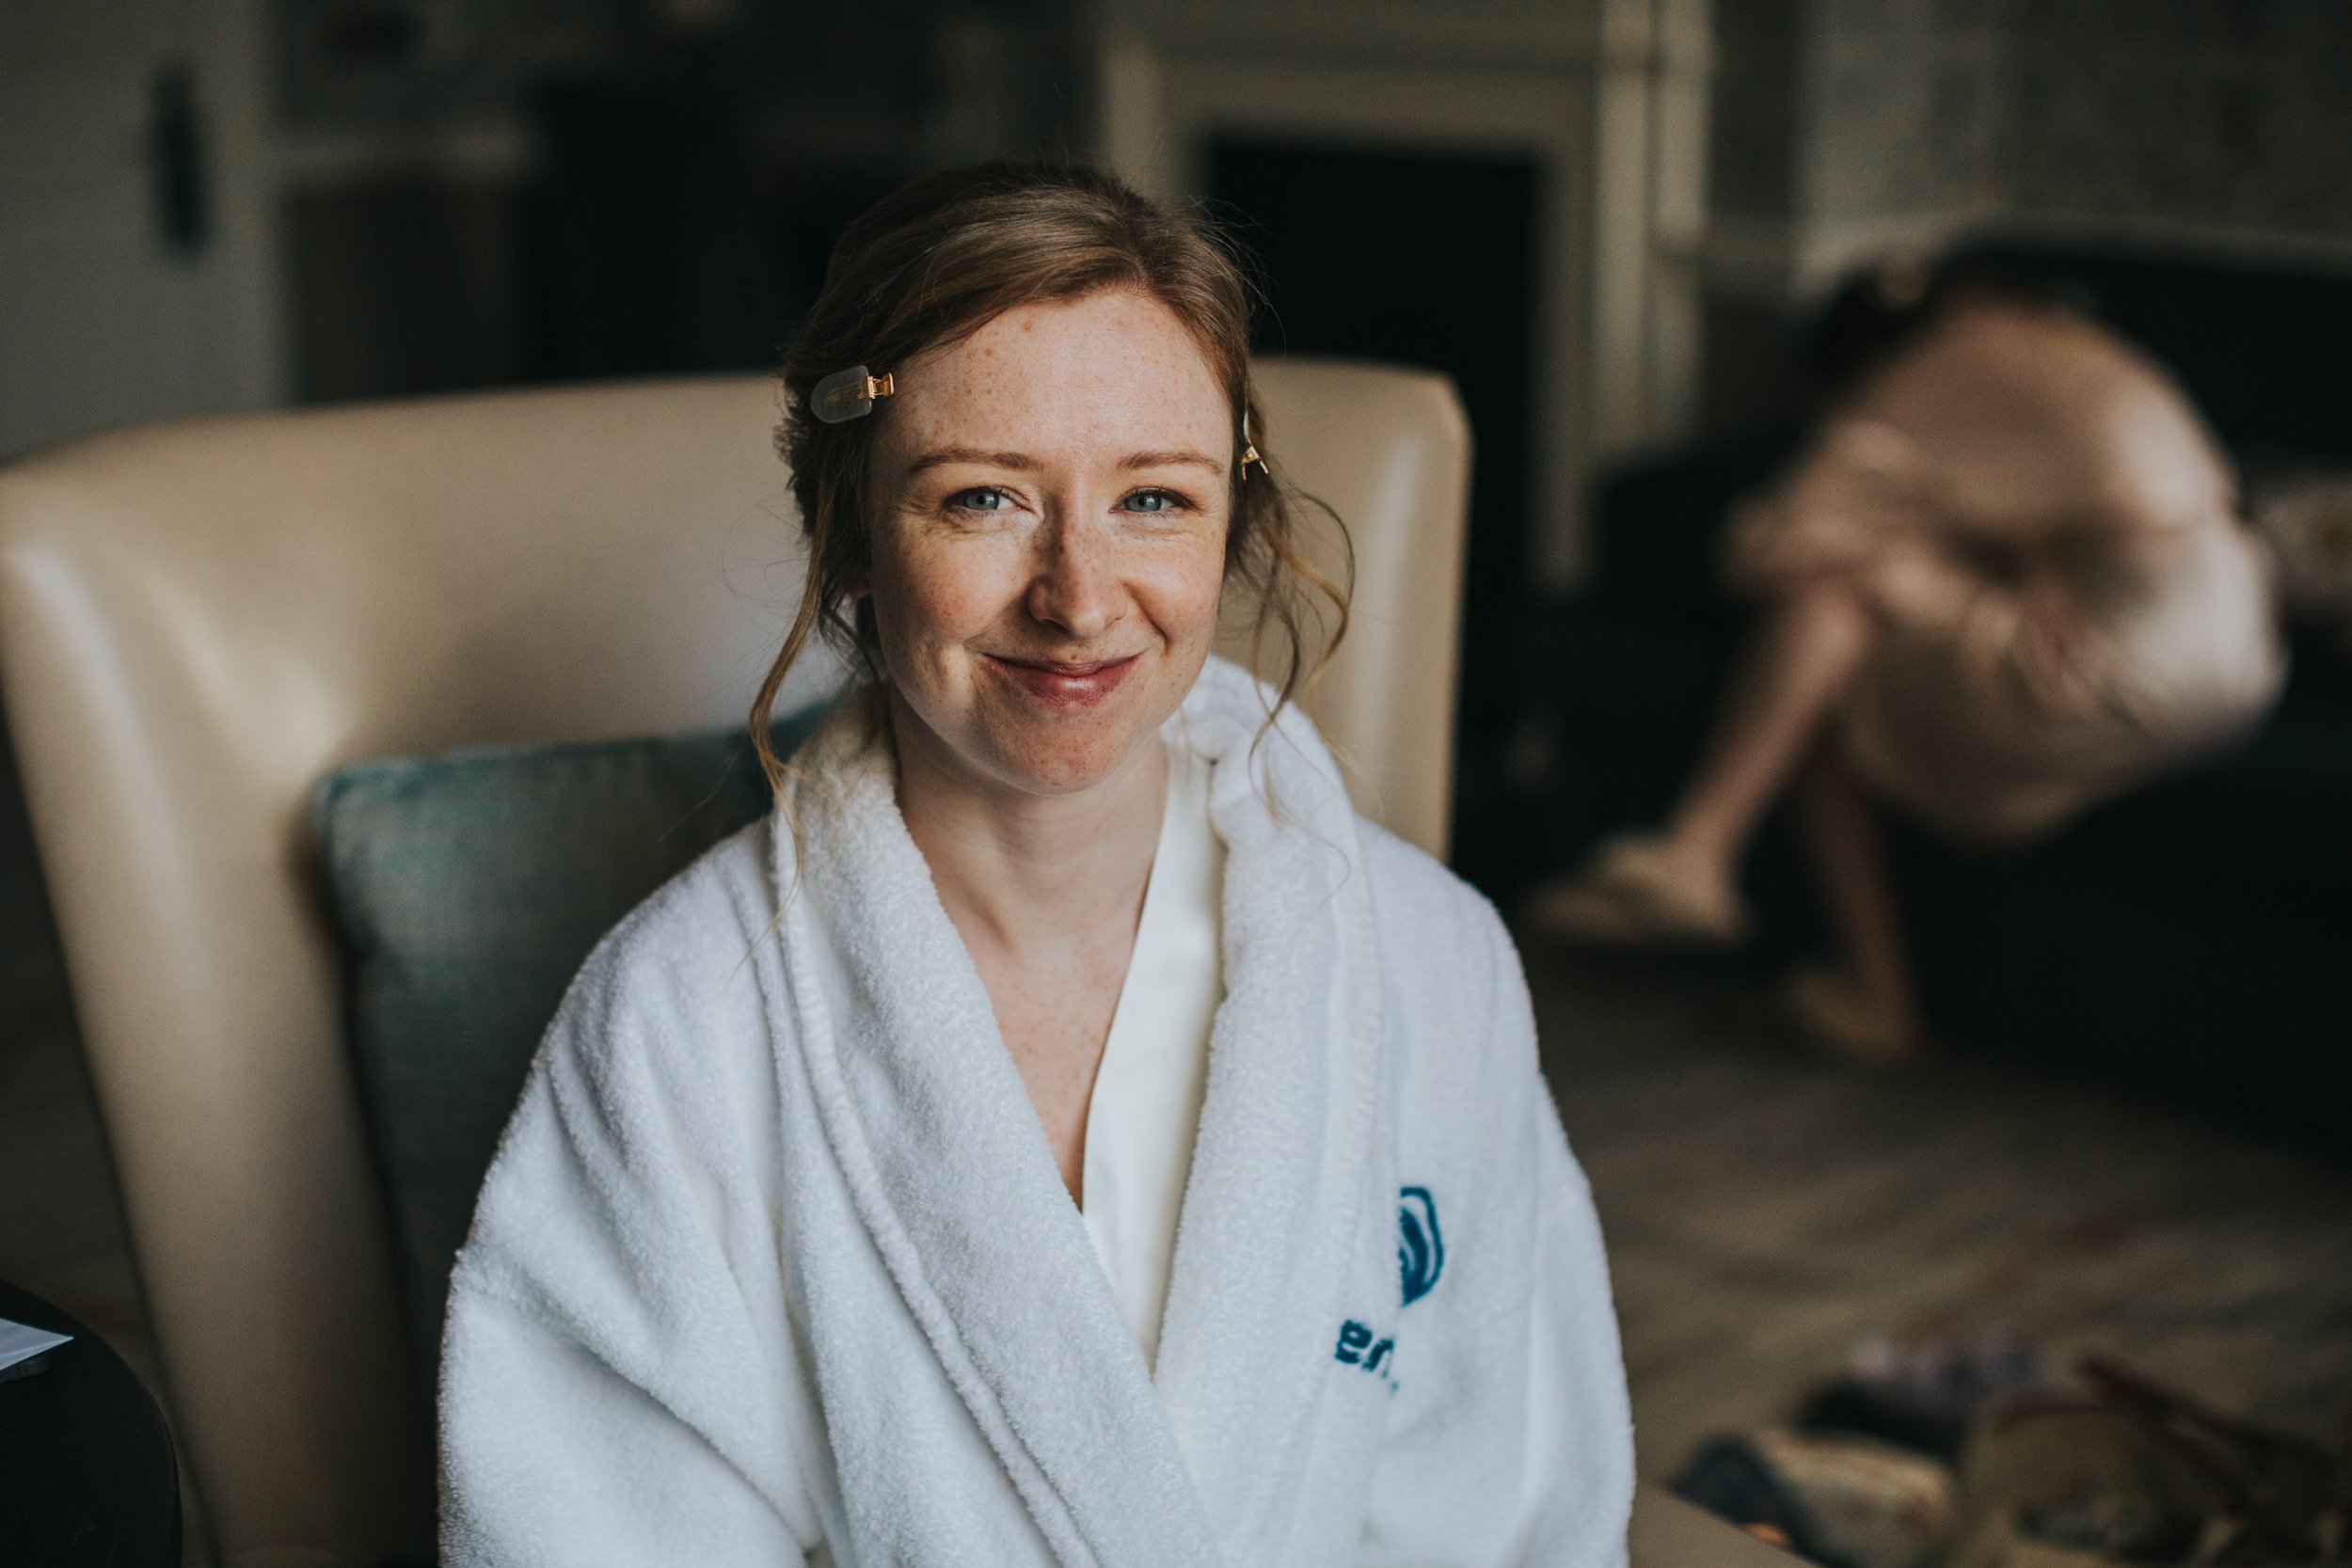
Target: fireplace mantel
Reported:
[(1607, 97)]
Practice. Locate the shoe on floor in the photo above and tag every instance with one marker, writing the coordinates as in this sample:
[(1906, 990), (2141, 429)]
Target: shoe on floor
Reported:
[(1833, 1498), (1634, 893)]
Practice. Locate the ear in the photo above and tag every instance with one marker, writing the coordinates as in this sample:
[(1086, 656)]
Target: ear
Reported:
[(857, 579)]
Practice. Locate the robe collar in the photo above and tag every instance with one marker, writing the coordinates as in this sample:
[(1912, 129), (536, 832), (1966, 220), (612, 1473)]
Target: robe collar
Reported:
[(1285, 1212)]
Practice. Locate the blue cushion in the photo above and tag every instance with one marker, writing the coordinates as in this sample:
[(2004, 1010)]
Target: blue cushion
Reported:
[(469, 887)]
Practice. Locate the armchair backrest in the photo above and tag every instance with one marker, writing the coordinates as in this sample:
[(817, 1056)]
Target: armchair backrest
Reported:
[(199, 621)]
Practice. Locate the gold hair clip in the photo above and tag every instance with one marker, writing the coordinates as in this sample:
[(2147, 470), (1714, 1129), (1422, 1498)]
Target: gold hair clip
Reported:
[(1248, 448), (848, 395)]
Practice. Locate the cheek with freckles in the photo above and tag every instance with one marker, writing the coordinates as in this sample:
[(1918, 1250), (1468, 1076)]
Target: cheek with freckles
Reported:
[(941, 603), (937, 593), (1183, 596), (934, 596)]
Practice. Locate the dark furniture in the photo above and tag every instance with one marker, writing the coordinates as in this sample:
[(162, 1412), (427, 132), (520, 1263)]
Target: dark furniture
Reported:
[(87, 1472), (2192, 939)]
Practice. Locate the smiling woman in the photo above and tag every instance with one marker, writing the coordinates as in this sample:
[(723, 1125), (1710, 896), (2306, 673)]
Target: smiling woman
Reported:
[(1065, 1132), (997, 296), (1049, 538)]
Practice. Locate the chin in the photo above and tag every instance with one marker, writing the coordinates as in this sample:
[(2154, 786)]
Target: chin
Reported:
[(1052, 764), (1049, 753)]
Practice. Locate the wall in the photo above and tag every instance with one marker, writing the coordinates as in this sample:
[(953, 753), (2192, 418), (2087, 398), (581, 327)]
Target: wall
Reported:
[(522, 192), (1845, 130), (138, 249), (2184, 120)]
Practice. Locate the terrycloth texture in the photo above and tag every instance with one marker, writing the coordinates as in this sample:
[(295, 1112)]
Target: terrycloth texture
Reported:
[(469, 887), (774, 1259)]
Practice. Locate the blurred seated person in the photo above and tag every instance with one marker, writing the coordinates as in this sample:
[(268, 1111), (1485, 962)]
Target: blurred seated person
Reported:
[(2007, 580)]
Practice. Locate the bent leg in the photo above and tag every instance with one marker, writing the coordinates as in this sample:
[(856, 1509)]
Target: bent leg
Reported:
[(1810, 650), (1681, 884)]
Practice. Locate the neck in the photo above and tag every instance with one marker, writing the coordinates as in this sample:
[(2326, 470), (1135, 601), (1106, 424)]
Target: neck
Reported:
[(1027, 871)]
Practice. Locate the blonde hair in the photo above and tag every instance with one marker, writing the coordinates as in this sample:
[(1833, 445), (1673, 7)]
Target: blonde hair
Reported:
[(938, 260)]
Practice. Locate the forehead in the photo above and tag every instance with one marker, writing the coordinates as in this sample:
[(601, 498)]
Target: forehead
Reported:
[(1113, 364)]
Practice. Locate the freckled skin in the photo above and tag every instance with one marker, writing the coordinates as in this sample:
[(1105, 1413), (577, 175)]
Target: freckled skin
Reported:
[(1053, 495)]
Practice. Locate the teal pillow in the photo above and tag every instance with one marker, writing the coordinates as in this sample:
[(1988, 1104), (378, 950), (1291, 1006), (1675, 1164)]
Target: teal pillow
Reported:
[(469, 887)]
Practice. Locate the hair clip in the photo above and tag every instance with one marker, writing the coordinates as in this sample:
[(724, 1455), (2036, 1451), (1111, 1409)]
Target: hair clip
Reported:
[(1248, 448), (848, 395)]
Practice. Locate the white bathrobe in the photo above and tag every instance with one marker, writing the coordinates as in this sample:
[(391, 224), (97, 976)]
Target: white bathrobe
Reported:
[(775, 1263)]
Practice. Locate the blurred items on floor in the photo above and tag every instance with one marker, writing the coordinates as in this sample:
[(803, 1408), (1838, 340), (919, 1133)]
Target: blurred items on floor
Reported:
[(1923, 1393), (1972, 1456)]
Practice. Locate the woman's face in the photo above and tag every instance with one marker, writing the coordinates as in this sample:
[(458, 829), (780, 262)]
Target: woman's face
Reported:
[(1052, 497)]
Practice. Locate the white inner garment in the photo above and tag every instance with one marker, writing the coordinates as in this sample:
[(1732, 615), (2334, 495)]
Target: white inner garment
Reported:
[(1146, 1106)]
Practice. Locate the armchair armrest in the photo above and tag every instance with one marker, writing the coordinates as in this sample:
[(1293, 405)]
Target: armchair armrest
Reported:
[(1670, 1533)]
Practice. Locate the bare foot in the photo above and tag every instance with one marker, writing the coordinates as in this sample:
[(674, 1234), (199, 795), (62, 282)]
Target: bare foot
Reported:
[(1840, 1015)]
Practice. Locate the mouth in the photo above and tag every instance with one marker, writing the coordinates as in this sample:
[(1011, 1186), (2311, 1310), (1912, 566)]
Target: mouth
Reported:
[(1067, 685)]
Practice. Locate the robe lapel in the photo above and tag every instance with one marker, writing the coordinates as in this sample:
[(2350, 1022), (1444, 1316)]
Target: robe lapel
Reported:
[(1288, 1229), (934, 1134)]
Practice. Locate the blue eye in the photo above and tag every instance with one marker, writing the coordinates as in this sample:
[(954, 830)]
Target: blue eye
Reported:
[(984, 498), (1152, 500)]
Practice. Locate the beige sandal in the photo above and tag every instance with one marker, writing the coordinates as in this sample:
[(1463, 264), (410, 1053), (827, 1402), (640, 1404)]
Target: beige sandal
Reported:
[(1633, 894)]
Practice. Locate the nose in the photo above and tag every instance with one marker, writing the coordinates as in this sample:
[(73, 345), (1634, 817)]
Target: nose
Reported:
[(1075, 588)]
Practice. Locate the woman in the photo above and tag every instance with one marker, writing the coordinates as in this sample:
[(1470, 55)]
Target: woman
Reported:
[(840, 1217), (2007, 581)]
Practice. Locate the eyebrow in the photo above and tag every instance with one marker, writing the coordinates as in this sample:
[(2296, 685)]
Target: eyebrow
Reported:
[(940, 456), (1023, 463), (1173, 460)]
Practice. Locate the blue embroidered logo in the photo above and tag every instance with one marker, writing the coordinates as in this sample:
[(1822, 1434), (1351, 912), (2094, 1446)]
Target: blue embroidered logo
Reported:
[(1358, 1348), (1419, 1245), (1419, 1259)]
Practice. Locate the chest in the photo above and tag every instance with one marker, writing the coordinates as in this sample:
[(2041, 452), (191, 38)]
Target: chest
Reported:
[(1054, 1011)]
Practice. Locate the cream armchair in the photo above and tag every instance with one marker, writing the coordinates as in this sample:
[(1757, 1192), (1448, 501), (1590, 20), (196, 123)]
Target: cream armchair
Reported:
[(198, 622)]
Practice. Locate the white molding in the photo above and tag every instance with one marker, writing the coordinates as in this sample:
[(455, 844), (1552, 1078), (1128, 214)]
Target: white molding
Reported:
[(489, 152), (1131, 134), (1677, 225), (255, 337), (2220, 241), (1543, 115), (1608, 101), (1788, 263), (1649, 226), (1512, 34)]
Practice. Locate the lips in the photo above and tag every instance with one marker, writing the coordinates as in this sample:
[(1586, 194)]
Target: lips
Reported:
[(1067, 685)]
